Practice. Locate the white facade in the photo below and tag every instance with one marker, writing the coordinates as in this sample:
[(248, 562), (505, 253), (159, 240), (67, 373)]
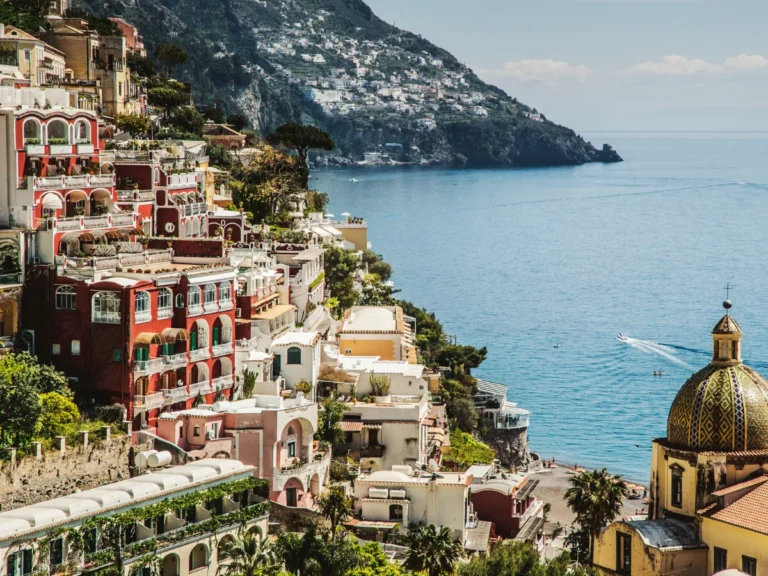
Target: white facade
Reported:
[(298, 357)]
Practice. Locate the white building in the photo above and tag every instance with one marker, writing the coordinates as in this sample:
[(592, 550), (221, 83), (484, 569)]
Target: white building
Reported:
[(296, 357)]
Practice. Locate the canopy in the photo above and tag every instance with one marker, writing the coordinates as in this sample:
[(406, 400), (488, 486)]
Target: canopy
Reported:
[(147, 338), (171, 335), (52, 201)]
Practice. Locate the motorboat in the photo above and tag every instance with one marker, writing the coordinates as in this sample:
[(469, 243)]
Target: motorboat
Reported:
[(557, 345), (659, 373), (623, 337)]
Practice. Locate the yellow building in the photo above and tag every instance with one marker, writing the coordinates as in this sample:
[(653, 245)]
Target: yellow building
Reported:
[(354, 230), (650, 547), (38, 62), (715, 449), (377, 331), (11, 284)]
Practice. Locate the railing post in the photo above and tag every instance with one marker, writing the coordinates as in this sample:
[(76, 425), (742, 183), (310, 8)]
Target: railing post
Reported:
[(83, 435), (106, 433), (61, 444), (37, 449)]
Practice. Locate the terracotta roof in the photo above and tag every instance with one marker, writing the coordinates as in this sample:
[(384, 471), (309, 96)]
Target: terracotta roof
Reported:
[(736, 487), (351, 426), (748, 511)]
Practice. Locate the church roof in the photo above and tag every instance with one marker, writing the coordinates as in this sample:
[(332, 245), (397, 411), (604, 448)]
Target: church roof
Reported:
[(727, 325), (748, 511), (666, 533), (721, 409)]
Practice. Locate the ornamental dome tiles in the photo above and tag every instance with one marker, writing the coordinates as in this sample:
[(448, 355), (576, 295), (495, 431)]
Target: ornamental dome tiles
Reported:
[(721, 409)]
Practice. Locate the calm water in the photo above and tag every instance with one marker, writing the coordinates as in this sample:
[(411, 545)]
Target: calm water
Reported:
[(519, 260)]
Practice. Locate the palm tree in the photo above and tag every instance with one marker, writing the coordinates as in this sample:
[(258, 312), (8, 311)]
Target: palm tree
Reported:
[(596, 498), (336, 506), (248, 554), (432, 551)]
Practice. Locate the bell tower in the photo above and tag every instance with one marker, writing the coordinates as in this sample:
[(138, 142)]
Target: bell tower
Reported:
[(726, 340)]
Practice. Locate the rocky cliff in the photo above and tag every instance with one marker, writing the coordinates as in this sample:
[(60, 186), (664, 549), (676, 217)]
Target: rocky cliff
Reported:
[(333, 63), (511, 446)]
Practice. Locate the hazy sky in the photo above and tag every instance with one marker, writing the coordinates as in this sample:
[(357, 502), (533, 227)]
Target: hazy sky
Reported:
[(610, 64)]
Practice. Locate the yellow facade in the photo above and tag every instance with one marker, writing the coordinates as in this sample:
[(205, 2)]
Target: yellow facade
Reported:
[(351, 346), (357, 235), (738, 542), (646, 560)]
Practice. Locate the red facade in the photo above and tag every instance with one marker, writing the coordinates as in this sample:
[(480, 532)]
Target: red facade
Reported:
[(506, 509)]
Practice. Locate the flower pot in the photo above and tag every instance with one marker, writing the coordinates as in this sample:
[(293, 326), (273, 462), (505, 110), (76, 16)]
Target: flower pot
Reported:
[(382, 399)]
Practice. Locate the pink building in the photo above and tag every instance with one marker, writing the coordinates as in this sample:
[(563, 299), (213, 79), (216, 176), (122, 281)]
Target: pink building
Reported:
[(271, 433)]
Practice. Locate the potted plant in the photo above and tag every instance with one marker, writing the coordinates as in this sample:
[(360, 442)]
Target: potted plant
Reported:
[(380, 388)]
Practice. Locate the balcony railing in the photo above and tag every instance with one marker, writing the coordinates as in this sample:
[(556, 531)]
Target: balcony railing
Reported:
[(211, 307), (75, 181), (164, 313), (144, 316), (85, 222), (125, 219), (91, 222), (226, 304), (200, 354), (194, 310), (106, 316), (176, 360), (222, 349), (172, 395), (135, 195), (111, 262), (223, 382), (372, 451), (191, 209), (185, 179), (199, 388), (14, 278), (152, 366), (155, 399)]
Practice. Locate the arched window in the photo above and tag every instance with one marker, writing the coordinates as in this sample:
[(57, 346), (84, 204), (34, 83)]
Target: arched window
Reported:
[(294, 355), (193, 300), (242, 287), (198, 557), (142, 308), (179, 300), (210, 294), (65, 298), (82, 132), (225, 292), (165, 303), (106, 308), (31, 132), (395, 512), (58, 132)]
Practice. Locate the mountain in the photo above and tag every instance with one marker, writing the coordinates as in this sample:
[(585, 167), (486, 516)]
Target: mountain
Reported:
[(333, 63)]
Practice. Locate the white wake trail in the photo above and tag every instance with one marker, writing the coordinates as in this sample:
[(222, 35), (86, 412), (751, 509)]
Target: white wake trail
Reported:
[(655, 348)]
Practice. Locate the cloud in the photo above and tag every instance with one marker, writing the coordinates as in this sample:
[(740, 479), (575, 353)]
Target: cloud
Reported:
[(675, 65), (546, 70), (747, 62)]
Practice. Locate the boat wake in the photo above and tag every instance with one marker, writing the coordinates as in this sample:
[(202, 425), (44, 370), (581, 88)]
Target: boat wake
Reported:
[(649, 347)]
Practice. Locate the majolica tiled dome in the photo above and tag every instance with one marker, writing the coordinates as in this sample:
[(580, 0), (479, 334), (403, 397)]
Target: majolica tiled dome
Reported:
[(724, 407)]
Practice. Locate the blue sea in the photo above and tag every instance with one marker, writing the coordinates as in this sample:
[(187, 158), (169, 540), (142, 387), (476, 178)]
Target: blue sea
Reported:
[(520, 260)]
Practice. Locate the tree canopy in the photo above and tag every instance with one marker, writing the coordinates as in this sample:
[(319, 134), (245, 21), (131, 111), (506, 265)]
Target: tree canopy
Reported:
[(172, 55), (300, 138), (134, 124)]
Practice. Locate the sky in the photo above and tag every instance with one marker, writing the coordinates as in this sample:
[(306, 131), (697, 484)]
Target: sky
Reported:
[(603, 65)]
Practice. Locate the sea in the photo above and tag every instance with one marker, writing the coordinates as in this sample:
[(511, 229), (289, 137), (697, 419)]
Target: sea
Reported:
[(545, 267)]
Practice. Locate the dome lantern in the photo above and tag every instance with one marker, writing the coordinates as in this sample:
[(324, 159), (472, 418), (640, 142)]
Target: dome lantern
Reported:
[(726, 340)]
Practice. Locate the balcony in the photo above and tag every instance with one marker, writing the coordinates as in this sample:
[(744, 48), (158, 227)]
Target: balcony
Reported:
[(125, 219), (199, 388), (372, 451), (194, 310), (175, 360), (222, 349), (102, 180), (192, 209), (150, 400), (86, 222), (184, 180), (106, 316), (135, 195), (172, 395), (319, 464), (57, 149), (211, 307), (146, 367), (36, 149), (67, 182), (84, 148), (93, 222), (199, 354), (223, 382), (144, 316), (164, 313), (226, 304)]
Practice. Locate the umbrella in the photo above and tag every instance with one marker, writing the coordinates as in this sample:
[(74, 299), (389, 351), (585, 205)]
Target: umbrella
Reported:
[(329, 216), (346, 214)]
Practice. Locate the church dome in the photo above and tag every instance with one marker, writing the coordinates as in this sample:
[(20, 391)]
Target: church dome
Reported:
[(723, 407)]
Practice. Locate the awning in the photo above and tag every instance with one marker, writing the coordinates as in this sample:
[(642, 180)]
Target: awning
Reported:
[(526, 490), (113, 234), (147, 338), (371, 426), (321, 232), (52, 201), (171, 335), (274, 312), (333, 231), (136, 232), (351, 425), (86, 237)]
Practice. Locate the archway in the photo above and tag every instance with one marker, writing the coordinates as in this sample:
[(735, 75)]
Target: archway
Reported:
[(58, 132), (195, 227), (198, 336), (32, 131), (171, 566), (198, 557), (75, 205), (200, 373), (101, 202)]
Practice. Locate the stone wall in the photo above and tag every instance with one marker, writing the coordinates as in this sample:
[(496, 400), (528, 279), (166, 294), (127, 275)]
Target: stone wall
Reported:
[(511, 446), (31, 480)]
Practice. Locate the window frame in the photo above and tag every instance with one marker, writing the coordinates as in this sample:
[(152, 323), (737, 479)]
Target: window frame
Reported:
[(719, 559), (291, 446), (623, 552), (225, 292), (142, 307), (749, 562), (676, 489), (290, 356), (101, 302), (66, 297), (74, 348), (164, 301)]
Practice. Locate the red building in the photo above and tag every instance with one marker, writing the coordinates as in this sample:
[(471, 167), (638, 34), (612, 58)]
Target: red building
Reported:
[(508, 503), (151, 334)]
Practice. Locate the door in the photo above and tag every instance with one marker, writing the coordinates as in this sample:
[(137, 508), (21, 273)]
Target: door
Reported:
[(373, 437), (216, 335), (193, 341), (290, 497), (276, 366)]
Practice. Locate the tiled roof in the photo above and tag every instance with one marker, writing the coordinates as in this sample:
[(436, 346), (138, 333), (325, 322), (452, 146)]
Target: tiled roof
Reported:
[(351, 426), (737, 487), (747, 512)]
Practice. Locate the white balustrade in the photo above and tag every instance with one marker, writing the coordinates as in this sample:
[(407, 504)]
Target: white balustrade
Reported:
[(92, 222), (176, 360), (199, 354), (226, 304), (222, 349), (155, 399), (144, 316), (194, 310), (152, 366), (223, 382), (175, 394), (199, 388), (164, 313), (125, 219)]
